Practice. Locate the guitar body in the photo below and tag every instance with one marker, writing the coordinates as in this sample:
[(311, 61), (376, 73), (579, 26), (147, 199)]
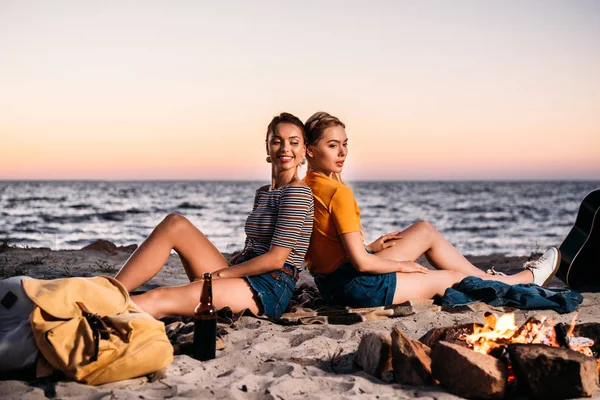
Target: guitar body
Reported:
[(580, 251)]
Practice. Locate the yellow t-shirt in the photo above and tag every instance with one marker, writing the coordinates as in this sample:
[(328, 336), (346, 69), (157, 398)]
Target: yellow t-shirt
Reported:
[(336, 213)]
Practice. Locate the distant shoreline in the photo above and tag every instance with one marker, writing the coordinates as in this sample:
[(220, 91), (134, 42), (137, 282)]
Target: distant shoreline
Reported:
[(466, 180)]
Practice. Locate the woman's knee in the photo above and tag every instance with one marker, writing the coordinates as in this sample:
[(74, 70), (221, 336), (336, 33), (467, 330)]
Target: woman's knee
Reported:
[(426, 227), (174, 222)]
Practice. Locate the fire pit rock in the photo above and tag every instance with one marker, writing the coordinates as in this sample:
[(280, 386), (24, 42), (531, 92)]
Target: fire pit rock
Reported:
[(450, 334), (411, 360), (374, 354), (468, 373), (554, 372)]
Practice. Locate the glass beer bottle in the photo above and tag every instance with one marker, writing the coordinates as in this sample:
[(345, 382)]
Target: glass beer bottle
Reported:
[(205, 323)]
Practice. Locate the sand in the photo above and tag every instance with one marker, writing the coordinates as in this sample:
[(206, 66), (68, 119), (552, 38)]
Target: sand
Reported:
[(261, 359)]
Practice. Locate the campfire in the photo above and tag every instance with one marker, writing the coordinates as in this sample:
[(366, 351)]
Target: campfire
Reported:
[(540, 358), (497, 333)]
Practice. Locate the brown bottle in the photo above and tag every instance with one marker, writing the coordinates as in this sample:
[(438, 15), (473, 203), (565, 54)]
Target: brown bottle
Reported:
[(205, 323)]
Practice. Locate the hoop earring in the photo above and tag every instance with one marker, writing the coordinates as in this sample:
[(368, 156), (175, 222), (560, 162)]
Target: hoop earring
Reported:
[(303, 162), (269, 159)]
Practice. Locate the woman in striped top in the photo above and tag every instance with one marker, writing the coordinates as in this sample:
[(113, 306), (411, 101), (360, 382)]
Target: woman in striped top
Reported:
[(262, 277)]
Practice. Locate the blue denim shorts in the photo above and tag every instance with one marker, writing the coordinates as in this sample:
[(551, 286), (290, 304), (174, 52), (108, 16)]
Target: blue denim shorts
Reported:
[(274, 289), (346, 286)]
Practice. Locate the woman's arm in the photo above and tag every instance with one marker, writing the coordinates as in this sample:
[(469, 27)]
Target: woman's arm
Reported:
[(295, 204), (270, 261), (371, 264)]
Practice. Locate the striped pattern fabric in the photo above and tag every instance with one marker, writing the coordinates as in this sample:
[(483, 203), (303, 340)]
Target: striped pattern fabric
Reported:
[(281, 217)]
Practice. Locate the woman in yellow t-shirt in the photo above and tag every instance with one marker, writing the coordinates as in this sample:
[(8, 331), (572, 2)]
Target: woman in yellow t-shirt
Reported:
[(386, 273)]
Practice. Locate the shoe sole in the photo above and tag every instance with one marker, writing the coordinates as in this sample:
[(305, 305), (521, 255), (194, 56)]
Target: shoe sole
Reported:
[(554, 270)]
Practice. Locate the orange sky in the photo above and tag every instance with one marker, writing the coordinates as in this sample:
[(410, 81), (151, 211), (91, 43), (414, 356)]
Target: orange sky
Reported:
[(432, 90)]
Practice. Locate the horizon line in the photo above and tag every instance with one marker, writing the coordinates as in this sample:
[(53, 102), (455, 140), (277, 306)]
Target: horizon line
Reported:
[(506, 179)]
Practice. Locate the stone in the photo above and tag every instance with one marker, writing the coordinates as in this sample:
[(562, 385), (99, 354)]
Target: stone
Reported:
[(553, 372), (129, 248), (468, 373), (109, 247), (374, 354), (589, 330), (449, 334), (102, 245), (411, 360)]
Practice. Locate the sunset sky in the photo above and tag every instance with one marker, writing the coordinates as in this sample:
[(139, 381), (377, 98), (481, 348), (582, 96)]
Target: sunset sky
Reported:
[(185, 89)]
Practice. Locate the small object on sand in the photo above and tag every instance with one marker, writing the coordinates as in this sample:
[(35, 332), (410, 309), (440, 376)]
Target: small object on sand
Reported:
[(173, 329), (205, 323), (492, 271)]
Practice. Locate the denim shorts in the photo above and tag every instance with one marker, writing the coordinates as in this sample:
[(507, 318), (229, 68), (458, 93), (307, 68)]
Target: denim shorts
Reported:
[(274, 289), (346, 286)]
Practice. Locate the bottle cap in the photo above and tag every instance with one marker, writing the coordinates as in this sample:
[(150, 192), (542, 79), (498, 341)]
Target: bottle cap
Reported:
[(207, 275)]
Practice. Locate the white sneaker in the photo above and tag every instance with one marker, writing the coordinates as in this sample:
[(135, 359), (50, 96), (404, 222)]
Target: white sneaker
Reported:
[(545, 267)]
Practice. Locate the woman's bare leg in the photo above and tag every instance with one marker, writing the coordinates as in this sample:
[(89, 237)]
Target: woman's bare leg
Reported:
[(415, 286), (175, 232), (422, 238), (234, 293)]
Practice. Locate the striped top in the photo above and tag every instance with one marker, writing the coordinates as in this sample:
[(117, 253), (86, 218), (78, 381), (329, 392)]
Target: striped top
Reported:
[(281, 217)]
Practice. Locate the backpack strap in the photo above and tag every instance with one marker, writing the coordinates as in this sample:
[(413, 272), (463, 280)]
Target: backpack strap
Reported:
[(99, 328)]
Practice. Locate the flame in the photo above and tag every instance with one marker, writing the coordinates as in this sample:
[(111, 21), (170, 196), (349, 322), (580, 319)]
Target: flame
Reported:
[(485, 339), (502, 331), (572, 327), (497, 332)]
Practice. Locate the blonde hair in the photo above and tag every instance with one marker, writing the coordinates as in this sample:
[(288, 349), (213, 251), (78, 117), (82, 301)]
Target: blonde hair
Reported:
[(315, 127)]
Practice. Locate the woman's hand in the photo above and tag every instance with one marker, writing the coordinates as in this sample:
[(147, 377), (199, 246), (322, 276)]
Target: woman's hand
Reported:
[(270, 261), (411, 266), (384, 242), (219, 273)]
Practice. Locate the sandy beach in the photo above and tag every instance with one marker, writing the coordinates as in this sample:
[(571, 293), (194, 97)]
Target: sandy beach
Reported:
[(261, 359), (279, 127)]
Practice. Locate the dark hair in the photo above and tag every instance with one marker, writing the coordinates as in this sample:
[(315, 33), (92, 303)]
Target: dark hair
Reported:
[(317, 123), (288, 119)]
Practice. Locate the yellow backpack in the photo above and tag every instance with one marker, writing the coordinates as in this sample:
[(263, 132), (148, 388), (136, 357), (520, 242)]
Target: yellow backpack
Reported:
[(89, 329)]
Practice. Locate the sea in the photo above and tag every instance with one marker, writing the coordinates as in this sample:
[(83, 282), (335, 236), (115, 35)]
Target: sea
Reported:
[(478, 217)]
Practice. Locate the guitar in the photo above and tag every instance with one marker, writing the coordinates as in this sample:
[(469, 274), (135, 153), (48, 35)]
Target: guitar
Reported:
[(580, 251)]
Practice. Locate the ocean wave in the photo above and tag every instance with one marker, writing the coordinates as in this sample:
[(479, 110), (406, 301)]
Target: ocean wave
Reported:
[(34, 198), (80, 206), (117, 215), (191, 206), (477, 209), (69, 218)]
